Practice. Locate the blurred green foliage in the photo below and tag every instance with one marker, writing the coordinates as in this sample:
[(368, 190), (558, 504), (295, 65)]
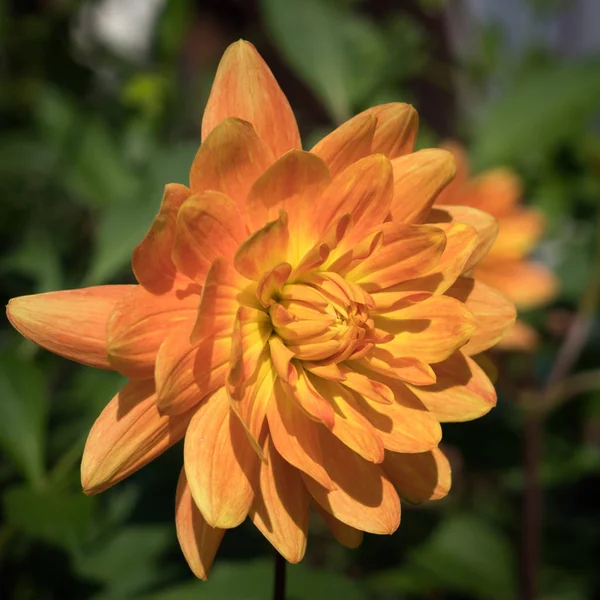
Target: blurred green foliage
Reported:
[(90, 134)]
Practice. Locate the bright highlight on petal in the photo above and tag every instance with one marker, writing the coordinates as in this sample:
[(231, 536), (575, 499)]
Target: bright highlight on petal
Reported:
[(304, 322)]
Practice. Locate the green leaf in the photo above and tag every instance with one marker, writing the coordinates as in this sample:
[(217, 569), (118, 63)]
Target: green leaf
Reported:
[(340, 59), (253, 581), (539, 110), (127, 562), (465, 554), (55, 516), (23, 408)]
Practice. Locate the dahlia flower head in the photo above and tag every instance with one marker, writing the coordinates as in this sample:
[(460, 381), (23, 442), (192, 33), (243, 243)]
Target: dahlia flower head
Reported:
[(507, 266), (303, 320)]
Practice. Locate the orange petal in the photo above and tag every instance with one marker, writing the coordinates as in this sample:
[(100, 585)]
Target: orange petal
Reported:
[(309, 399), (522, 337), (272, 282), (349, 425), (364, 191), (463, 392), (185, 373), (369, 388), (251, 332), (461, 241), (397, 126), (518, 234), (296, 437), (281, 506), (220, 463), (140, 323), (418, 179), (407, 252), (292, 183), (429, 331), (344, 534), (223, 292), (405, 425), (252, 404), (209, 226), (363, 498), (264, 249), (128, 434), (527, 284), (199, 541), (151, 263), (229, 160), (407, 369), (244, 87), (281, 357), (418, 477), (494, 314), (350, 142), (71, 323), (485, 225)]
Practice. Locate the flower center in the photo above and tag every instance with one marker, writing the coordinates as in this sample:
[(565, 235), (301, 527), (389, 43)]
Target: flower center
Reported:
[(324, 320)]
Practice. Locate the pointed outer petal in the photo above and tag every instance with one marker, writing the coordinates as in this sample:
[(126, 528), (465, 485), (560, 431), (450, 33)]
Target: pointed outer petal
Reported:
[(494, 314), (309, 399), (244, 87), (418, 477), (407, 252), (350, 426), (393, 299), (281, 507), (251, 407), (264, 249), (141, 321), (369, 388), (70, 323), (185, 373), (463, 392), (229, 160), (344, 534), (251, 333), (293, 182), (329, 371), (418, 179), (383, 362), (296, 437), (527, 284), (522, 337), (397, 127), (429, 331), (220, 463), (485, 225), (363, 190), (128, 434), (405, 425), (271, 284), (313, 259), (364, 498), (199, 542), (339, 262), (350, 142), (281, 358), (151, 262), (222, 294), (462, 241), (209, 226), (518, 234)]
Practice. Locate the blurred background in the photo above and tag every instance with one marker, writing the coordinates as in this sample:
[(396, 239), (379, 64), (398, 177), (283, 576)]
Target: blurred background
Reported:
[(100, 105)]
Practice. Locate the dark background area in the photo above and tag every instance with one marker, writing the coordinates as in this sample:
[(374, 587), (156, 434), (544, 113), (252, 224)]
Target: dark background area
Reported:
[(100, 106)]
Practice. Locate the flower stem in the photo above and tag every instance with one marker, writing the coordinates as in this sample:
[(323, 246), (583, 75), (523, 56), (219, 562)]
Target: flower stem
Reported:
[(279, 580)]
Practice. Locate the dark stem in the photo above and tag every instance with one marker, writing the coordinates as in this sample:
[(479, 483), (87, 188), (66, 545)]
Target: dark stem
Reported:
[(279, 580)]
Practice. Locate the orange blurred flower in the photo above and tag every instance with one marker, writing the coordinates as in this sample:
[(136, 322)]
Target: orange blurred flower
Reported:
[(506, 267), (300, 319)]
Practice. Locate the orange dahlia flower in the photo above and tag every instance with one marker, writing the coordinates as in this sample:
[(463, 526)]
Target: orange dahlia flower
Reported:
[(298, 321), (505, 267)]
